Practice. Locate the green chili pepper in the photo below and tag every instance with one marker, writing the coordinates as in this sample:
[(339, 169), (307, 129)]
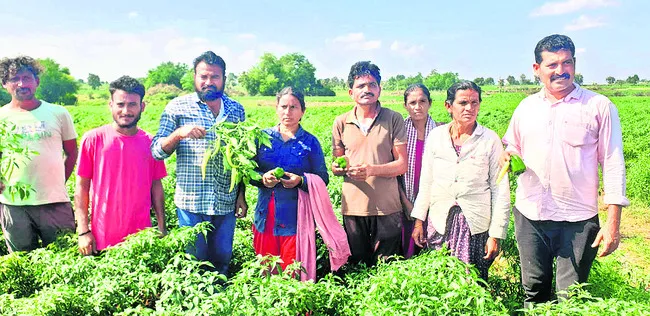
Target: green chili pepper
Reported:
[(217, 145), (233, 179), (278, 173), (204, 164), (341, 162), (517, 165)]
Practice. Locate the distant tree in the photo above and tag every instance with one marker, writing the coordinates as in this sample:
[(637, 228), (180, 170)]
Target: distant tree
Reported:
[(489, 81), (187, 81), (524, 80), (578, 78), (610, 80), (272, 74), (511, 80), (502, 82), (4, 97), (620, 82), (93, 81), (632, 79), (81, 81), (537, 80), (333, 83), (479, 81), (56, 84), (168, 73), (438, 81)]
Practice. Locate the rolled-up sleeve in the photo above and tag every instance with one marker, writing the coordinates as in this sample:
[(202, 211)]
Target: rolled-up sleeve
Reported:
[(610, 156), (167, 126)]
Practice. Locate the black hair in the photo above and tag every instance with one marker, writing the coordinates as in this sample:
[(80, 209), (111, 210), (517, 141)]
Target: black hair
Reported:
[(128, 85), (11, 66), (363, 68), (462, 85), (417, 86), (293, 92), (210, 58), (554, 43)]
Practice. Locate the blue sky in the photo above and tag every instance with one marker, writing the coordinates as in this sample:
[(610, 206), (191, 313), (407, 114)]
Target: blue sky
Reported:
[(472, 38)]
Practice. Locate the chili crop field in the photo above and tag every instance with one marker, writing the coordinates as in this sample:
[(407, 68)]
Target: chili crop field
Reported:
[(148, 275)]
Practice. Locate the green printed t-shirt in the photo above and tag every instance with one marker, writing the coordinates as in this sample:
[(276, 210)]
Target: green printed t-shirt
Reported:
[(44, 129)]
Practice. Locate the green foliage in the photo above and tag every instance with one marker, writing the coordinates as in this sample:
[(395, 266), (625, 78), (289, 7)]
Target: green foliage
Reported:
[(14, 154), (166, 73), (236, 145), (56, 84), (162, 92), (440, 81), (524, 80), (272, 74), (94, 81), (581, 302), (610, 80), (4, 97), (148, 275), (634, 79), (434, 81), (187, 81), (579, 78), (432, 283), (511, 80)]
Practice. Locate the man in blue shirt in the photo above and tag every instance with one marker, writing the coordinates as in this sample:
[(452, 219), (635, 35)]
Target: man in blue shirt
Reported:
[(183, 128)]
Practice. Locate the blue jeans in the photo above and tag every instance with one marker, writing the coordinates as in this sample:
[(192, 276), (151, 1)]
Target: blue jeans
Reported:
[(217, 249)]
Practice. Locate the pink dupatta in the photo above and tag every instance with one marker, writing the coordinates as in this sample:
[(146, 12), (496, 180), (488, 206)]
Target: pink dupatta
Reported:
[(315, 207)]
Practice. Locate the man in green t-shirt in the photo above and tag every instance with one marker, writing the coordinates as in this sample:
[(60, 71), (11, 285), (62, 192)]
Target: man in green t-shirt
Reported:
[(48, 130)]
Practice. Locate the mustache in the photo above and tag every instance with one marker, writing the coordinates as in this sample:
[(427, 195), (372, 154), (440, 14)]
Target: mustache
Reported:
[(367, 94), (562, 76)]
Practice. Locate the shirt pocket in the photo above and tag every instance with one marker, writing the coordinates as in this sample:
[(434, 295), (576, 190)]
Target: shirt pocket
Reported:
[(577, 134), (476, 167), (297, 156)]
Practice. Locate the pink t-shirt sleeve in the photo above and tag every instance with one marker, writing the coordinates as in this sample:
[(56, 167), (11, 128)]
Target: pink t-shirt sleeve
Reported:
[(86, 156), (159, 170)]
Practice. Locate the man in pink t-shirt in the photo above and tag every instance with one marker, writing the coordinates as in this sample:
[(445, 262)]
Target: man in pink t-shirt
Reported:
[(118, 174)]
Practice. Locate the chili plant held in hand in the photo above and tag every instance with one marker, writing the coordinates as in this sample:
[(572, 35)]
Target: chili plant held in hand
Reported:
[(13, 153), (516, 166), (238, 144)]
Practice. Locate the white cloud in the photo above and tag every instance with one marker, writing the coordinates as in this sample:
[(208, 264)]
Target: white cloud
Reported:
[(356, 42), (133, 15), (110, 54), (568, 6), (584, 22), (246, 36), (406, 49)]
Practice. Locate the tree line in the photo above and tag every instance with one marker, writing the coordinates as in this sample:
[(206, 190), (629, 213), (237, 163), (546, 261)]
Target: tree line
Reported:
[(265, 78)]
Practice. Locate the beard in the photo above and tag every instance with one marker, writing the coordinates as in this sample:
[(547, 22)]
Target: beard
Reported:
[(25, 96), (209, 93), (130, 125)]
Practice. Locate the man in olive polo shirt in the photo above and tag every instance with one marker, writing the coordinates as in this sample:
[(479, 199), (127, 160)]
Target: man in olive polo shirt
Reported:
[(373, 141)]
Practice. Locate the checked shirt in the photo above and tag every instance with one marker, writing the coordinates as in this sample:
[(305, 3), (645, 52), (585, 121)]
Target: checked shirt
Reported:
[(193, 194)]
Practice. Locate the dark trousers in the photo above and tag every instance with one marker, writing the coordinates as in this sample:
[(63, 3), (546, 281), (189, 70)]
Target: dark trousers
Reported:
[(24, 225), (540, 242), (373, 237)]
